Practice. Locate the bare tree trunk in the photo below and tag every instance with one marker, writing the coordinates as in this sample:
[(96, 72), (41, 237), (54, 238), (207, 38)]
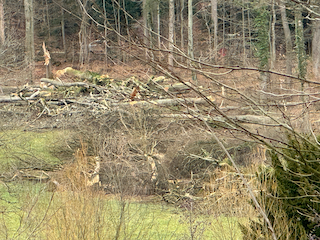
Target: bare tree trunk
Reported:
[(224, 26), (48, 20), (243, 34), (300, 47), (2, 25), (105, 33), (83, 36), (152, 36), (125, 56), (145, 26), (249, 32), (287, 35), (117, 25), (190, 37), (214, 16), (118, 35), (316, 48), (29, 43), (63, 34), (302, 66), (273, 37), (158, 30), (212, 53), (182, 24), (83, 42), (47, 61), (171, 32)]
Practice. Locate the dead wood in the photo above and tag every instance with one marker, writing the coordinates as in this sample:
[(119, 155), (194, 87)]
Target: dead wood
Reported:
[(73, 84), (32, 175), (76, 73), (162, 102), (177, 88), (253, 119), (9, 99)]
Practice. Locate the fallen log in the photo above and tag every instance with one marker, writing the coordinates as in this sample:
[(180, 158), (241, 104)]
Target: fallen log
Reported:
[(73, 84), (17, 98), (251, 119), (63, 84), (32, 175), (73, 72), (163, 102), (175, 88)]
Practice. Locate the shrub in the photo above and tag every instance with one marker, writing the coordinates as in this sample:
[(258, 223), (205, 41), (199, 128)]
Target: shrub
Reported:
[(290, 193)]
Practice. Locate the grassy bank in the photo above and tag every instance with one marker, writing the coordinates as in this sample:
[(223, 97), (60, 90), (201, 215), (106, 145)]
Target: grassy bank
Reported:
[(28, 211), (37, 149)]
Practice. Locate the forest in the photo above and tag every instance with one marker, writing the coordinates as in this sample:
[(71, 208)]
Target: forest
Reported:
[(149, 119)]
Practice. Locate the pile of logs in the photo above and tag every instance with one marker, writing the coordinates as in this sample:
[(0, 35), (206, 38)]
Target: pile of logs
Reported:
[(101, 91)]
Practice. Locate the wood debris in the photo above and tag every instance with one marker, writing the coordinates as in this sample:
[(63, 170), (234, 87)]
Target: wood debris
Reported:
[(97, 91)]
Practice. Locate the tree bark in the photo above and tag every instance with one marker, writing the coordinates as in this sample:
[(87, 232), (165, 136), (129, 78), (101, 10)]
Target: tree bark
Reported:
[(214, 16), (300, 47), (105, 33), (190, 29), (48, 20), (190, 37), (243, 33), (171, 32), (182, 24), (162, 102), (316, 48), (302, 67), (83, 36), (2, 25), (273, 37), (63, 34), (145, 26), (287, 35), (29, 42), (158, 30)]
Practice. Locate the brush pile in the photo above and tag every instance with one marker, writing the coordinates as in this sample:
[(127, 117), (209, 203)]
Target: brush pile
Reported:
[(99, 92)]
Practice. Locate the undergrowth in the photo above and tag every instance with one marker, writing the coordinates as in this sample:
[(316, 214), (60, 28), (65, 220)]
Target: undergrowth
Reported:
[(75, 211)]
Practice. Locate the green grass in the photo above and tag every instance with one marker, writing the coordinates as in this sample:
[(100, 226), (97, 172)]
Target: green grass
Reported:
[(28, 210), (22, 206), (29, 149)]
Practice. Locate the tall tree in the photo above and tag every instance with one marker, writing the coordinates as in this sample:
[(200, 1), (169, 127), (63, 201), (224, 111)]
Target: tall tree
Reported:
[(29, 42), (145, 11), (262, 21), (105, 32), (2, 25), (214, 16), (273, 36), (171, 32), (287, 36), (300, 47), (158, 28), (182, 24), (48, 19), (316, 48), (190, 37), (302, 64), (83, 34), (243, 32), (63, 33)]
